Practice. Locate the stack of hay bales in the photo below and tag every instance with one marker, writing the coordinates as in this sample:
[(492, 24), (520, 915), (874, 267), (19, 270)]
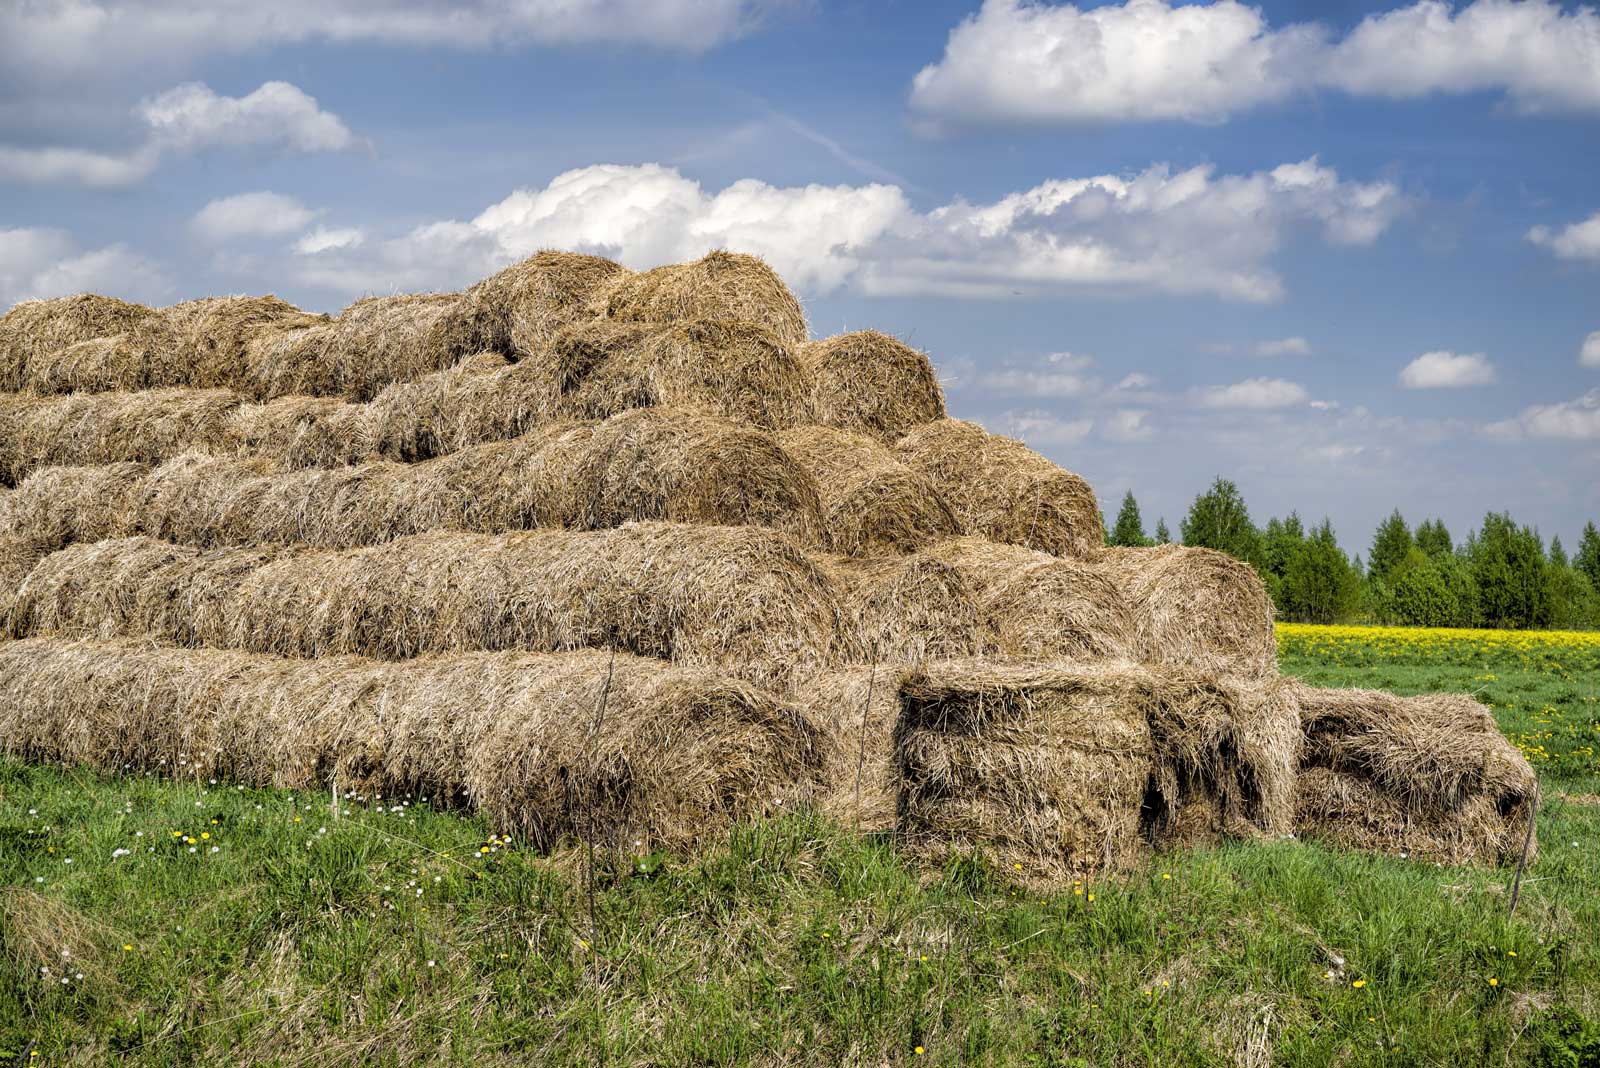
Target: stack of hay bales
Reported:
[(630, 551)]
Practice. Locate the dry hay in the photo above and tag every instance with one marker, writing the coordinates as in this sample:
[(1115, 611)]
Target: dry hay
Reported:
[(58, 506), (1040, 606), (872, 383), (740, 599), (1431, 776), (871, 502), (1195, 606), (482, 398), (35, 329), (1003, 490), (518, 310), (855, 710), (909, 609), (677, 755), (374, 342), (300, 432), (1042, 766), (737, 370), (101, 428), (719, 285), (17, 559)]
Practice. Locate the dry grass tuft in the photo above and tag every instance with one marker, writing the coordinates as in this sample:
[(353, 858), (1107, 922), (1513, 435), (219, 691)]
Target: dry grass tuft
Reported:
[(35, 330), (871, 502), (676, 757), (872, 383), (517, 311), (1195, 606), (1003, 490), (1431, 776), (719, 285)]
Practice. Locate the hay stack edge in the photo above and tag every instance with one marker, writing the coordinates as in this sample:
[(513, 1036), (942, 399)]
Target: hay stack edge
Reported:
[(590, 548)]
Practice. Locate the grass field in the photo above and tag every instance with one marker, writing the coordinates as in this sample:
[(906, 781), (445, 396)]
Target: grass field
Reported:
[(148, 922)]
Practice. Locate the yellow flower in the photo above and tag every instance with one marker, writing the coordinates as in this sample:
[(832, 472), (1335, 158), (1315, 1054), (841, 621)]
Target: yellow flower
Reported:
[(127, 945), (297, 819), (1018, 867), (1077, 889), (918, 1051), (205, 834), (1165, 875), (1493, 981), (1511, 953), (1091, 897), (1359, 983), (483, 849), (924, 958)]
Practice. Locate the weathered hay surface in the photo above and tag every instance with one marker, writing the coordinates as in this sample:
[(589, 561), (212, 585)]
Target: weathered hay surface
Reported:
[(57, 506), (872, 383), (299, 432), (1195, 606), (745, 600), (518, 310), (482, 398), (102, 428), (1003, 490), (855, 710), (1043, 766), (733, 369), (17, 559), (677, 755), (909, 609), (374, 342), (719, 285), (871, 502), (1431, 776), (35, 329)]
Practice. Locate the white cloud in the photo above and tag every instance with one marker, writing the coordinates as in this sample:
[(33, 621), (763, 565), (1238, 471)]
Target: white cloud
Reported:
[(1257, 393), (1023, 61), (188, 118), (324, 239), (37, 262), (1188, 232), (1575, 241), (1128, 424), (1136, 380), (1589, 355), (1574, 420), (1043, 428), (250, 215), (1447, 370), (1289, 346)]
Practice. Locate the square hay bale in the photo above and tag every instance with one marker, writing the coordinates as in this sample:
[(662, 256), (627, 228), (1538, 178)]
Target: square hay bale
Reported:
[(1431, 776), (720, 285), (872, 383)]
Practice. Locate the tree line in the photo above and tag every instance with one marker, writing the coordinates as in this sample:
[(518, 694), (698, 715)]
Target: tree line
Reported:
[(1499, 575)]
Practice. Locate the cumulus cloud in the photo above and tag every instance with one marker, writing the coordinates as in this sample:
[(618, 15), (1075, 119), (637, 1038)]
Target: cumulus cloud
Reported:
[(1289, 346), (188, 118), (323, 239), (1575, 241), (1044, 428), (1022, 61), (1128, 424), (251, 215), (1254, 393), (1589, 355), (1192, 231), (1574, 420), (40, 262), (1447, 370)]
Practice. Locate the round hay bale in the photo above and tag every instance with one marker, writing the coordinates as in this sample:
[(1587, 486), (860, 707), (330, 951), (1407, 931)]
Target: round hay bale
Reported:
[(1195, 606), (855, 711), (657, 463), (96, 365), (736, 370), (872, 383), (18, 556), (871, 502), (34, 329), (518, 310), (1039, 766), (719, 285), (57, 506), (907, 610), (208, 342), (302, 431), (374, 342), (1003, 490), (147, 427), (483, 398)]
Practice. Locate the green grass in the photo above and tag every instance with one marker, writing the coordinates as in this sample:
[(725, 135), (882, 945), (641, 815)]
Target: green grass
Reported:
[(303, 940)]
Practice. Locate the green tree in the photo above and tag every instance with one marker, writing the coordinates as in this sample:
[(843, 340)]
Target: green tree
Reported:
[(1433, 538), (1588, 558), (1390, 544), (1279, 542), (1511, 574), (1319, 585), (1421, 594), (1457, 575), (1218, 519), (1163, 535), (1129, 529)]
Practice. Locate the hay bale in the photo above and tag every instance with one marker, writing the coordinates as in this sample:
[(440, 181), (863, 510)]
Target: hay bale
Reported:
[(58, 506), (1039, 765), (677, 756), (34, 329), (855, 711), (518, 310), (1040, 606), (1431, 776), (482, 398), (907, 610), (719, 285), (871, 502), (743, 600), (301, 431), (17, 559), (146, 427), (733, 369), (1003, 490), (1195, 606), (872, 383)]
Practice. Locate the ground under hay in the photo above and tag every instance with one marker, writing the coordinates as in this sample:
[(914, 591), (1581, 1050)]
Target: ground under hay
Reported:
[(739, 599), (1195, 606), (675, 756), (872, 383), (102, 428), (720, 285), (871, 502), (1430, 776), (517, 311), (1003, 490), (34, 329)]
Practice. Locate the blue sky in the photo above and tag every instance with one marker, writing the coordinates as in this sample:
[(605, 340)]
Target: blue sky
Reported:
[(1347, 254)]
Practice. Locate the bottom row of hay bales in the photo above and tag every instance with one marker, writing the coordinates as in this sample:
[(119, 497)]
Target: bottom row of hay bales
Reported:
[(1058, 768)]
